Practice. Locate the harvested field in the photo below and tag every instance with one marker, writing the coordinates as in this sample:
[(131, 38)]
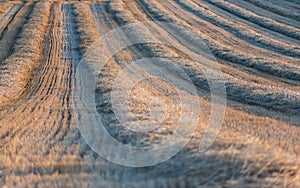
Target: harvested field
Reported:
[(46, 94)]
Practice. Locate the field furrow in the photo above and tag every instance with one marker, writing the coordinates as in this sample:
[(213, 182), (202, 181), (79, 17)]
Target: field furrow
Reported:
[(17, 68), (245, 78), (8, 17), (266, 65), (6, 6), (13, 29), (48, 101), (265, 13), (234, 83), (121, 15), (259, 20), (45, 92), (240, 30), (280, 8)]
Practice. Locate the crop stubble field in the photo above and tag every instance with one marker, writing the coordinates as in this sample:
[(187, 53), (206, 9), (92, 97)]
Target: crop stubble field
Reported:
[(256, 44)]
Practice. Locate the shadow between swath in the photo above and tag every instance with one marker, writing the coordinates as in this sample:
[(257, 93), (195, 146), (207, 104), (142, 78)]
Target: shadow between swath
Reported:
[(239, 97), (206, 169)]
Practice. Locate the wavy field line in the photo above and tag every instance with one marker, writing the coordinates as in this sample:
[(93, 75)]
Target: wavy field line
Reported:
[(262, 21), (258, 145), (244, 32)]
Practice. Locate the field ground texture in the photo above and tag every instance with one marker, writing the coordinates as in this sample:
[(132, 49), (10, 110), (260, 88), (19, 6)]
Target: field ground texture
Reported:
[(256, 43)]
